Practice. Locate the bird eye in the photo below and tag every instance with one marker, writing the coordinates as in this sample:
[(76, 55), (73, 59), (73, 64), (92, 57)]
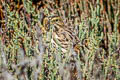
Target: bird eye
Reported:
[(57, 20)]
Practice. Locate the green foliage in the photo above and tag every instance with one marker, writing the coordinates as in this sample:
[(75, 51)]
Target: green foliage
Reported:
[(26, 53)]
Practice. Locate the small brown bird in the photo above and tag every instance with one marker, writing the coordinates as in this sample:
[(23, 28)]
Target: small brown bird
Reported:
[(62, 36)]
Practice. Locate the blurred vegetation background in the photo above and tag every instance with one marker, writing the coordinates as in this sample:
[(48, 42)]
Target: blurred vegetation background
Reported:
[(27, 54)]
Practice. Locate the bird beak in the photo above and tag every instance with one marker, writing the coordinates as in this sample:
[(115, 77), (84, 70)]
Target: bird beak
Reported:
[(43, 30)]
